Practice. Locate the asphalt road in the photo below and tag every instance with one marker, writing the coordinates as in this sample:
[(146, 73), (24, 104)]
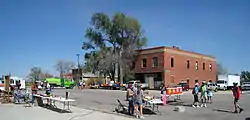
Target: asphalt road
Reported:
[(106, 100)]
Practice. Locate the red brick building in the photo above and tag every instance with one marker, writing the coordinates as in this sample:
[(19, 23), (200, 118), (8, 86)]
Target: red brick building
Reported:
[(171, 65)]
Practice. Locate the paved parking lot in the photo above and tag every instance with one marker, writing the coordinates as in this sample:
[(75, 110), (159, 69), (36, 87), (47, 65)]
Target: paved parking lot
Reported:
[(19, 112), (105, 100)]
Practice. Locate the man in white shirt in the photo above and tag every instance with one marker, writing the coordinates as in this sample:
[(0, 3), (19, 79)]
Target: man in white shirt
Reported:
[(48, 86), (81, 84)]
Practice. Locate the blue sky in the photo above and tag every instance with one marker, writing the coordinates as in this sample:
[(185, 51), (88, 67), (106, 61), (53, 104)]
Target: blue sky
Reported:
[(38, 33)]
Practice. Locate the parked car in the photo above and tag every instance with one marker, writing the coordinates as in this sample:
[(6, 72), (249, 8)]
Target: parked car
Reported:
[(185, 86), (245, 86), (143, 85), (213, 86)]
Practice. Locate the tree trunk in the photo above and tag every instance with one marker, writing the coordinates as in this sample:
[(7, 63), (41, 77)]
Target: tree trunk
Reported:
[(120, 70), (113, 74), (115, 62), (121, 74)]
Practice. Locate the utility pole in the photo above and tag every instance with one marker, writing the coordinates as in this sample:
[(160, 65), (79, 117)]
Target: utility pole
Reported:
[(78, 67)]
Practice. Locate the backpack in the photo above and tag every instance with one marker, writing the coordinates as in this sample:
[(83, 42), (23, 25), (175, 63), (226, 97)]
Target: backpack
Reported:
[(193, 91)]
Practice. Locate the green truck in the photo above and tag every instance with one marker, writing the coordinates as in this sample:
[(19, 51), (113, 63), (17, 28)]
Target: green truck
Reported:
[(58, 82)]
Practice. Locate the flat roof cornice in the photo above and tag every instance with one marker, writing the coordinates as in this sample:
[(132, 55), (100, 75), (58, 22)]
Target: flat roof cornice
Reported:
[(176, 51)]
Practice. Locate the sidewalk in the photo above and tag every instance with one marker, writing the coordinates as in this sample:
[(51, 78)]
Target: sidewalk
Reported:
[(19, 112)]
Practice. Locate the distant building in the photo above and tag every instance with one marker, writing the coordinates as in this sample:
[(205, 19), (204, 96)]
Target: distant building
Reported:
[(82, 76), (171, 65), (75, 73)]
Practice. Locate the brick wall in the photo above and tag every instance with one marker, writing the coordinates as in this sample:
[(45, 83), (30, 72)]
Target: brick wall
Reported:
[(179, 72)]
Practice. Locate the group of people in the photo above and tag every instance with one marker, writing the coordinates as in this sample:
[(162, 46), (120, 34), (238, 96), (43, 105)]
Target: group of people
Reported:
[(81, 85), (206, 94), (135, 97), (34, 89)]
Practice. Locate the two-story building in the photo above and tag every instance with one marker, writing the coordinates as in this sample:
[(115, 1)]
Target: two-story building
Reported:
[(171, 66)]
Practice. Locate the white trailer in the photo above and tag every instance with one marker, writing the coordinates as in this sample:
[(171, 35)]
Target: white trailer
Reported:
[(13, 82), (226, 81)]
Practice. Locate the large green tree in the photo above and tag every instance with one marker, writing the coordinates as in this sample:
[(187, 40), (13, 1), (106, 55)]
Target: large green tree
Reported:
[(245, 75), (35, 73), (122, 34)]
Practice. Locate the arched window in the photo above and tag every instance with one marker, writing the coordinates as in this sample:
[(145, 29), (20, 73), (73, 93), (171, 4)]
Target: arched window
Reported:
[(196, 65), (204, 66), (188, 64), (210, 67), (172, 62)]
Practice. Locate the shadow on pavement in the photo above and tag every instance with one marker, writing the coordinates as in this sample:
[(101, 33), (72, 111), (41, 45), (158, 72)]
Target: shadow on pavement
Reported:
[(248, 118), (122, 108), (223, 110), (52, 108), (146, 111), (179, 104)]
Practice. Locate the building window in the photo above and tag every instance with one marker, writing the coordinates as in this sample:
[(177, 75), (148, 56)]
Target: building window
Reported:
[(155, 62), (144, 63), (196, 65), (196, 81), (210, 67), (172, 62), (204, 66), (188, 64)]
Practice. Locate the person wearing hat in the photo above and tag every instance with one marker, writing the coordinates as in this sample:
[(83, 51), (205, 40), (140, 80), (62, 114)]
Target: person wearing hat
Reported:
[(195, 93), (236, 94), (203, 90)]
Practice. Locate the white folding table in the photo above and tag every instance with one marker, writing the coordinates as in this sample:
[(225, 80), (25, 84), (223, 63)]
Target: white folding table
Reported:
[(62, 100), (155, 104), (54, 99)]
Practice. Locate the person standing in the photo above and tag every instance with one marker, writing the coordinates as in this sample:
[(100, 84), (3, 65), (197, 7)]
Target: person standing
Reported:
[(130, 98), (236, 94), (80, 85), (19, 84), (134, 87), (34, 89), (48, 86), (210, 94), (203, 90), (163, 89), (42, 85), (138, 102), (195, 93)]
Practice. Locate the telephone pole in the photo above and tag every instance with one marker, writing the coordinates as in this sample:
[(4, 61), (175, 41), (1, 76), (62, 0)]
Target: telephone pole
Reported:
[(78, 67)]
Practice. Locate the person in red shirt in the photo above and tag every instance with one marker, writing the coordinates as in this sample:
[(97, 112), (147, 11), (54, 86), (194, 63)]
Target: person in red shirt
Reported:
[(236, 94)]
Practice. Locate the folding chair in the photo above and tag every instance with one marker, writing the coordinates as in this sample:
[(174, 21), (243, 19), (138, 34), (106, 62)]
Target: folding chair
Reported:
[(27, 100), (121, 108)]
